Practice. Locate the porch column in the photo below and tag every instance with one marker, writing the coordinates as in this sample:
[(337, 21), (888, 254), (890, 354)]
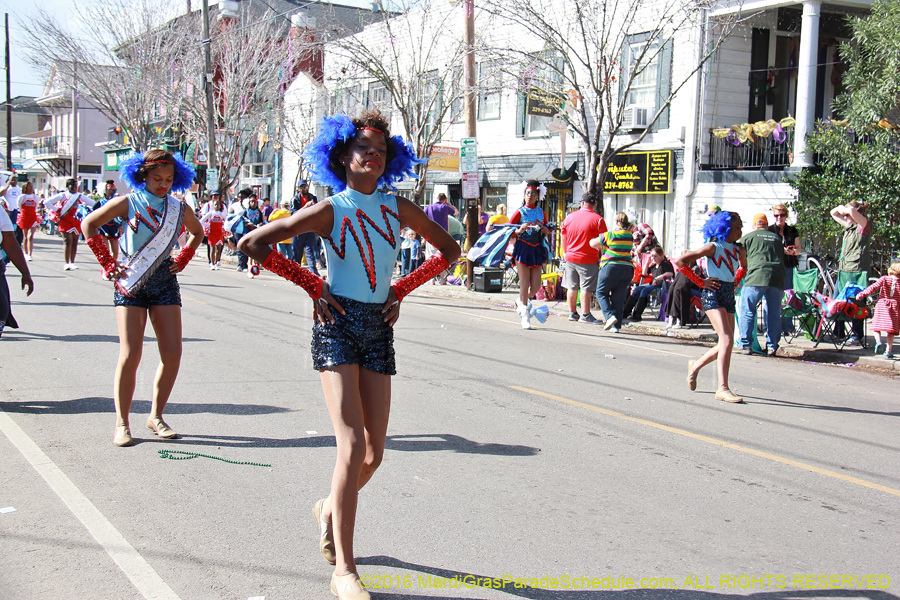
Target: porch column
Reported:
[(806, 81)]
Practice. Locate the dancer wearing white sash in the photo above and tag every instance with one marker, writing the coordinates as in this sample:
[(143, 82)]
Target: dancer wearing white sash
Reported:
[(63, 209), (145, 277)]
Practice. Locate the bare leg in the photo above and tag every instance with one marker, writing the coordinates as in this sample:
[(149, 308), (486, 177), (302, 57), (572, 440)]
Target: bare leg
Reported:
[(572, 299), (28, 242), (890, 343), (131, 321), (723, 323), (535, 281), (524, 283), (586, 297), (166, 322), (359, 405)]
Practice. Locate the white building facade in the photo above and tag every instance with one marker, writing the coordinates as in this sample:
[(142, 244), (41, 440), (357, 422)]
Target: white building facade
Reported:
[(779, 66)]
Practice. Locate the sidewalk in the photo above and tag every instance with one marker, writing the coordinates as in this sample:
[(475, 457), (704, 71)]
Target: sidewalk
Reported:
[(801, 348)]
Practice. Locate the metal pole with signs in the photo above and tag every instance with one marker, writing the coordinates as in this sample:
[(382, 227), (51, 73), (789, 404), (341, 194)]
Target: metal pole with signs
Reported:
[(468, 166)]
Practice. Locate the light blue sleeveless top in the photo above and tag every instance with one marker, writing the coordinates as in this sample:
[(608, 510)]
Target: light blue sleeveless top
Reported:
[(726, 260), (363, 246), (145, 213)]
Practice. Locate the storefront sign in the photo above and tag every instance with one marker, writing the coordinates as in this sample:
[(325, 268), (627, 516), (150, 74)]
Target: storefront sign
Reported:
[(539, 103), (639, 173), (444, 158)]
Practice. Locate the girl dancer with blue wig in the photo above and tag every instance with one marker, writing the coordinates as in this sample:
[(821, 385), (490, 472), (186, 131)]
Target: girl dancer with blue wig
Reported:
[(354, 313), (145, 282), (726, 264)]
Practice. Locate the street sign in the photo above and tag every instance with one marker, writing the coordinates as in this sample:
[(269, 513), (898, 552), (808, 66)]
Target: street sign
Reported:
[(212, 180), (470, 185), (468, 156)]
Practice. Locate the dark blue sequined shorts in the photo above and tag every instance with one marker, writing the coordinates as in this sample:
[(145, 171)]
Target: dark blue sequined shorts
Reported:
[(360, 337), (161, 289), (720, 298)]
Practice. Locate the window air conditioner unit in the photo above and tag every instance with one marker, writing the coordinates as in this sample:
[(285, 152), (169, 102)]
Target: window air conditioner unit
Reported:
[(636, 118)]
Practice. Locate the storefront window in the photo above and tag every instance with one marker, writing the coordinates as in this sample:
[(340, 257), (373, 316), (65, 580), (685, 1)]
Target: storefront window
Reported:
[(492, 197)]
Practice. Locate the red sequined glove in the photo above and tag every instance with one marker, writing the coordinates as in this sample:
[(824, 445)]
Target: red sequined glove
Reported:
[(292, 271), (184, 257), (690, 274), (739, 275), (427, 270), (101, 251)]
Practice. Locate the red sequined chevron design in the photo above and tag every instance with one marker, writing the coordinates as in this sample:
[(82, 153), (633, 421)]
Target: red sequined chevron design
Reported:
[(139, 218), (733, 257), (361, 217)]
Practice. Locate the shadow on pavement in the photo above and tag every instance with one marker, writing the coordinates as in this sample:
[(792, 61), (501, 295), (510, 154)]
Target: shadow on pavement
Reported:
[(402, 443), (15, 335), (432, 578), (445, 441), (138, 407)]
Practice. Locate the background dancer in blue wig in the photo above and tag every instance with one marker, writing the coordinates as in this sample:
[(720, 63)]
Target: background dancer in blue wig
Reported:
[(145, 279), (355, 311), (726, 265)]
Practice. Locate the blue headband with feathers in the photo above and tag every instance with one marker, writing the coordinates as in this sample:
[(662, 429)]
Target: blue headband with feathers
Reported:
[(717, 227), (184, 173), (340, 128)]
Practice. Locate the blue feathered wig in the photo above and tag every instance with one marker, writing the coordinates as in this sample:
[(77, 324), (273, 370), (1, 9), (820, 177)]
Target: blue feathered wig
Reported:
[(335, 134), (133, 171), (718, 226)]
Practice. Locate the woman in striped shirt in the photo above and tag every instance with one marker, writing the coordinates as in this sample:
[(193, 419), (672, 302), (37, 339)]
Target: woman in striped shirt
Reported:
[(616, 270)]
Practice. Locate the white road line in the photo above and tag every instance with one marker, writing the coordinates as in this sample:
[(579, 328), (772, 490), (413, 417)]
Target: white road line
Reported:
[(142, 576), (604, 338)]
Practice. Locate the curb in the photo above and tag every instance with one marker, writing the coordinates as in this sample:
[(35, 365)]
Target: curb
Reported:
[(791, 352)]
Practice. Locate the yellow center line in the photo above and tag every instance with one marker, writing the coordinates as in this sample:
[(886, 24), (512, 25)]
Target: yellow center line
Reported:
[(194, 300), (710, 440)]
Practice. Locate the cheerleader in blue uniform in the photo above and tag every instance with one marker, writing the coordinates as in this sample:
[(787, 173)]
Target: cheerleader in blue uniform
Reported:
[(530, 250), (145, 282), (355, 311)]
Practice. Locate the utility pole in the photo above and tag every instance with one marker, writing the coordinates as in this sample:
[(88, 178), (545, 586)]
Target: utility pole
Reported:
[(473, 214), (8, 104), (208, 85), (75, 121)]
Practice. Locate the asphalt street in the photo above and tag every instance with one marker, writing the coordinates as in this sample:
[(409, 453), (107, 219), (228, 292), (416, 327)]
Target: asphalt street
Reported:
[(564, 462)]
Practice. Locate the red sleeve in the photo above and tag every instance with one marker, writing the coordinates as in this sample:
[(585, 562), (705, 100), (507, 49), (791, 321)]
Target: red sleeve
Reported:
[(515, 218), (603, 228)]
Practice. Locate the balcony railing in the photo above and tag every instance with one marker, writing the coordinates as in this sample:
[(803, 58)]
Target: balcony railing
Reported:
[(764, 153), (54, 145)]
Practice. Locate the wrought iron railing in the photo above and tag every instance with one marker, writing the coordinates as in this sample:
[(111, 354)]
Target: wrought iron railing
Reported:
[(53, 145), (764, 153)]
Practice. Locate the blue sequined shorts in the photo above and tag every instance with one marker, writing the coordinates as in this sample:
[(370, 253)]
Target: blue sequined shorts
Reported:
[(360, 337), (161, 289), (720, 298)]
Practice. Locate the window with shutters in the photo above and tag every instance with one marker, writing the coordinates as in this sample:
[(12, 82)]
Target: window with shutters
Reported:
[(380, 99), (489, 86), (647, 64)]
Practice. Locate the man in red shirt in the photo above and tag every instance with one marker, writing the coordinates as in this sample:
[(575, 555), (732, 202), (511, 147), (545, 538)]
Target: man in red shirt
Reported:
[(582, 261)]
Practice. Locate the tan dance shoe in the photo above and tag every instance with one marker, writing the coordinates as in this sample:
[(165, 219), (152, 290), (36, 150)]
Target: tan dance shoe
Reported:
[(692, 377), (342, 586), (326, 535), (728, 396), (123, 436), (158, 426)]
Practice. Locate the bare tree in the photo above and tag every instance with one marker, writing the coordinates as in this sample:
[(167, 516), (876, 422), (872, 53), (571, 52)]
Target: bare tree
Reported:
[(251, 69), (591, 57), (125, 58), (408, 65)]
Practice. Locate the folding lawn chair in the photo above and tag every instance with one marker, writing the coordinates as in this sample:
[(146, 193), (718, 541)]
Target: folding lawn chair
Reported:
[(829, 312)]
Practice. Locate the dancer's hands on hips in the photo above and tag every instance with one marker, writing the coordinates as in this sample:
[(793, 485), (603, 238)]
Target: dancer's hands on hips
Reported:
[(391, 309), (322, 307)]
